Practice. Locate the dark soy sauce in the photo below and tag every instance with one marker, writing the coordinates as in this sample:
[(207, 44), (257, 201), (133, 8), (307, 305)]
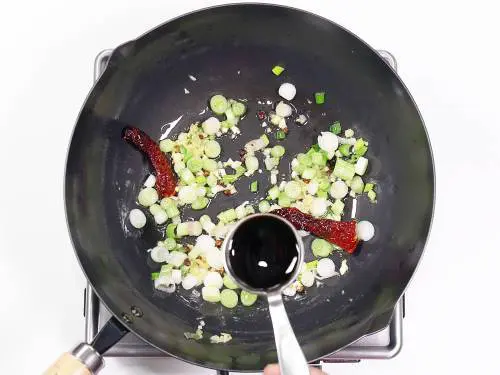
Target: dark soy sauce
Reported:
[(264, 253)]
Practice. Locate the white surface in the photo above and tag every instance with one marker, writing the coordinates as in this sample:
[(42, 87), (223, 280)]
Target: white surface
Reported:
[(448, 56)]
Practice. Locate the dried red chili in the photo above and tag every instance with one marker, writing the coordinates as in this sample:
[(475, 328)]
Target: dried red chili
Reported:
[(165, 179), (340, 233)]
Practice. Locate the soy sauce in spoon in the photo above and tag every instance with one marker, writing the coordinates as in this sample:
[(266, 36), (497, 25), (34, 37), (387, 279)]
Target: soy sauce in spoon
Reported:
[(264, 253)]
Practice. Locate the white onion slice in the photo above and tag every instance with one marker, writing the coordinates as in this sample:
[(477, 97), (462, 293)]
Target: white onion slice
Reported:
[(307, 278), (343, 267), (328, 141), (365, 230), (150, 181), (287, 91), (215, 258), (339, 189), (205, 241), (283, 109), (159, 254), (213, 279), (137, 218), (318, 207), (211, 125), (326, 268), (189, 282), (176, 276), (176, 258), (161, 217)]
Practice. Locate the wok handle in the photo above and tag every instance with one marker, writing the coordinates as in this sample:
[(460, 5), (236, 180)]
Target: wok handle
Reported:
[(83, 360), (291, 359)]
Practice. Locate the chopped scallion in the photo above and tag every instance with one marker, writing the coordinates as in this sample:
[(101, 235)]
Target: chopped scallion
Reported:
[(254, 186), (277, 70), (360, 147), (343, 170), (357, 185), (278, 151), (194, 164), (368, 187), (372, 195), (218, 104), (238, 109), (228, 298), (319, 97), (321, 248), (273, 193), (264, 206), (335, 128), (284, 200), (171, 228), (201, 180), (280, 134), (247, 299), (345, 149), (200, 203)]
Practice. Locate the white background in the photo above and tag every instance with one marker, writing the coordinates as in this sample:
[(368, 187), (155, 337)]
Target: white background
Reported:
[(448, 56)]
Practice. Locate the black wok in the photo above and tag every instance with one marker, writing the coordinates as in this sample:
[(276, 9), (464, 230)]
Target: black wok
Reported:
[(231, 49)]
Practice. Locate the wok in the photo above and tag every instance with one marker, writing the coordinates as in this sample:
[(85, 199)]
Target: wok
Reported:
[(230, 50)]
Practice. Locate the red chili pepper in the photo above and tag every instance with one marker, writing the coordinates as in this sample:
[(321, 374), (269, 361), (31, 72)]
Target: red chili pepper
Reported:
[(165, 179), (340, 233)]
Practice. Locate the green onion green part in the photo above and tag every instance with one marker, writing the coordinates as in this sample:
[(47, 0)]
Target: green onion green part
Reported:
[(345, 149), (247, 299), (254, 186), (335, 128), (229, 282), (368, 187), (218, 104), (321, 248), (360, 147), (319, 97), (200, 203), (238, 109), (343, 170), (280, 134), (228, 298), (194, 164), (277, 70), (372, 195), (171, 230)]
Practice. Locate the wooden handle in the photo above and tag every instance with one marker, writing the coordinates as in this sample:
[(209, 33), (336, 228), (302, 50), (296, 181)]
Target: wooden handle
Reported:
[(67, 364)]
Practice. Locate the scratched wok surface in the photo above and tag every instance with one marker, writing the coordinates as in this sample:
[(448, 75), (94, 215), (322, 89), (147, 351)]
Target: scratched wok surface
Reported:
[(144, 84)]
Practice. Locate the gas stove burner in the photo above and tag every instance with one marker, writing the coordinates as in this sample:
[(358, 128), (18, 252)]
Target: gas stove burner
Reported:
[(384, 344)]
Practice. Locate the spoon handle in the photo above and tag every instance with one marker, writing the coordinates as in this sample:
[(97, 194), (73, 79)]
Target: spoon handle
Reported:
[(290, 356)]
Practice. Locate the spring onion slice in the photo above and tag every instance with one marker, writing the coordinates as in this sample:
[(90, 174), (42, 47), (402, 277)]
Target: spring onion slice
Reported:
[(336, 128), (277, 70), (319, 97), (228, 298), (280, 135), (247, 298), (218, 104)]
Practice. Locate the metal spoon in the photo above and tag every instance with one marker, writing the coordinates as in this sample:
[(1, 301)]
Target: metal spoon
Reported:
[(290, 356)]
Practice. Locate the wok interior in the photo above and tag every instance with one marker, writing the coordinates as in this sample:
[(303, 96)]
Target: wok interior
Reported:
[(230, 50)]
